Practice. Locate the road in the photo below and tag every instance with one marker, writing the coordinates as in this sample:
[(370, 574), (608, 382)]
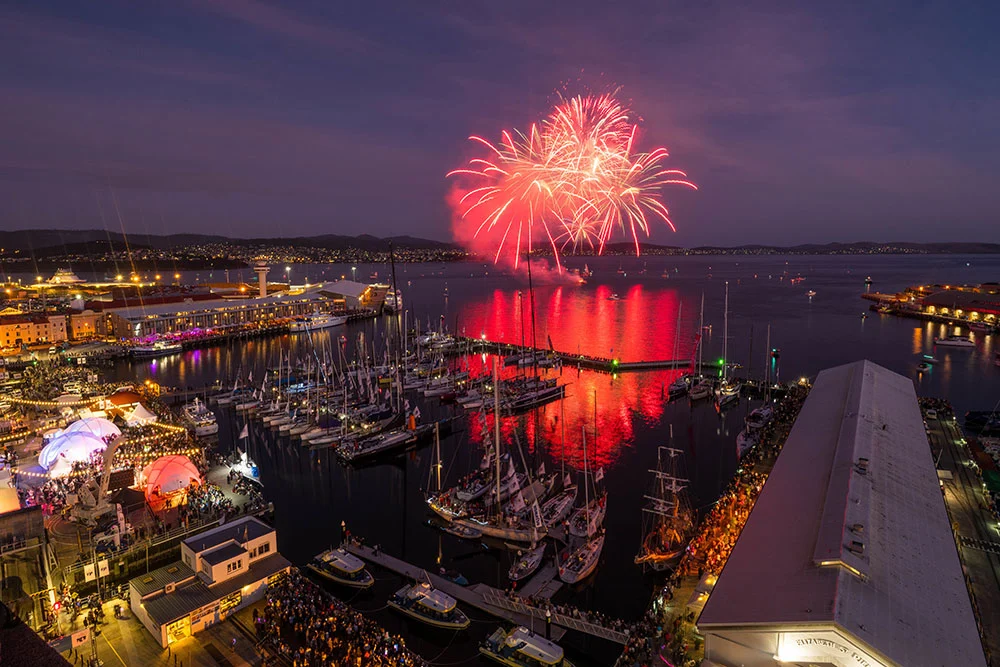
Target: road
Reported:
[(976, 529)]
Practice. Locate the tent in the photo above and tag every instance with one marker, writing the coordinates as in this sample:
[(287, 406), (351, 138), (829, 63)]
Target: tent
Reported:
[(68, 448), (170, 473), (140, 415), (102, 428)]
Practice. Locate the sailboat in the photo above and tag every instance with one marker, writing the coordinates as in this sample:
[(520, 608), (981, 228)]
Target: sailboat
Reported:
[(667, 515), (581, 562), (527, 563), (701, 387), (729, 391)]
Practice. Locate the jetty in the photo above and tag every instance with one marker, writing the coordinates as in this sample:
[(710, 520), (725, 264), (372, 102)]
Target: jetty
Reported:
[(467, 344), (496, 602)]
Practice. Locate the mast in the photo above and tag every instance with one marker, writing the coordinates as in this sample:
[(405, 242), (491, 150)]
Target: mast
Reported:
[(767, 364), (725, 338), (437, 451), (586, 491), (701, 333), (496, 425)]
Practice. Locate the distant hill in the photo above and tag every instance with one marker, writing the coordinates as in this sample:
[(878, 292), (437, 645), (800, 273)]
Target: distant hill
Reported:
[(65, 241)]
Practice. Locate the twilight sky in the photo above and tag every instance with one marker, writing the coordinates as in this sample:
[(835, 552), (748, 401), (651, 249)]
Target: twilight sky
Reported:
[(800, 121)]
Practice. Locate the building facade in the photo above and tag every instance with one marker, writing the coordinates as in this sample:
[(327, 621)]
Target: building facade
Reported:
[(31, 329), (221, 571)]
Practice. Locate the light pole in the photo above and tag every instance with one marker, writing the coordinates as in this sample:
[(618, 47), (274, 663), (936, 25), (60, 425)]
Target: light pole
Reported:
[(354, 273), (288, 275)]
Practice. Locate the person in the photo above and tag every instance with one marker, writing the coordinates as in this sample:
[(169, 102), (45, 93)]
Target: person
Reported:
[(232, 644)]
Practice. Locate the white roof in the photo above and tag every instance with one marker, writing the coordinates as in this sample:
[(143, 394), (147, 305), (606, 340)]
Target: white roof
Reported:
[(904, 595), (342, 560), (534, 646), (346, 288), (431, 598), (192, 307)]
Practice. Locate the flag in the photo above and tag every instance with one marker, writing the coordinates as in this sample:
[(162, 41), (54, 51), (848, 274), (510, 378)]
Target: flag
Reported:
[(599, 475), (416, 412), (245, 433), (250, 377), (102, 568), (406, 404), (541, 469), (567, 481), (536, 514), (88, 572), (518, 502), (515, 485)]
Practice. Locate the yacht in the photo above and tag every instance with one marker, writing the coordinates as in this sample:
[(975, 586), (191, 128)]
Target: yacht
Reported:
[(558, 507), (582, 561), (954, 341), (527, 563), (614, 297), (728, 393), (587, 519), (342, 567), (759, 418), (160, 348), (923, 367), (426, 604), (316, 321), (523, 648), (811, 293), (744, 441), (700, 389), (201, 419)]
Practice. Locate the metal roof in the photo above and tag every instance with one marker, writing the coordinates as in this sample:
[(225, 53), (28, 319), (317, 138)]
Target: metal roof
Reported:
[(195, 307), (158, 579), (851, 531), (223, 553), (240, 530), (189, 597), (346, 288)]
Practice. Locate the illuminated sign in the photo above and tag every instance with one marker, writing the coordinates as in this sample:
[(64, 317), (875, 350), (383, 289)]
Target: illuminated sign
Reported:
[(830, 647)]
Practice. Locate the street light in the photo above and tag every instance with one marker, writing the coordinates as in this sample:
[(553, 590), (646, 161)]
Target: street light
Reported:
[(354, 272)]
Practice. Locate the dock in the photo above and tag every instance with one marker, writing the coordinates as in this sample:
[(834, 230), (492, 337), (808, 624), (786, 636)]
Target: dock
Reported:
[(583, 361), (497, 602)]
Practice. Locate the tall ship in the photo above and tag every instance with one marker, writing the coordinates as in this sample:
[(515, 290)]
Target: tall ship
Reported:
[(667, 516), (316, 321)]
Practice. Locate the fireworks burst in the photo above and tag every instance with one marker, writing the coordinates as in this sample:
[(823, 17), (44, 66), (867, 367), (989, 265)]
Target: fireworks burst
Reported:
[(572, 181)]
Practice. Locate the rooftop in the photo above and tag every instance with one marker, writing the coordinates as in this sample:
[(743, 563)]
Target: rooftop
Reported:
[(851, 530), (185, 599), (223, 553), (346, 288), (158, 579), (191, 304), (241, 530)]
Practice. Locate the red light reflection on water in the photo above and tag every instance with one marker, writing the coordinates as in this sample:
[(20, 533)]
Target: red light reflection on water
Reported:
[(641, 326)]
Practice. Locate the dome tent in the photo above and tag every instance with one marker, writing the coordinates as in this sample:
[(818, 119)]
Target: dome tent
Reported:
[(96, 426), (69, 448), (170, 473)]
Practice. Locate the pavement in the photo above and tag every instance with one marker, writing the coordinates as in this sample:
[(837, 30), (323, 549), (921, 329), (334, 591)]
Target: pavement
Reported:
[(126, 642), (973, 525)]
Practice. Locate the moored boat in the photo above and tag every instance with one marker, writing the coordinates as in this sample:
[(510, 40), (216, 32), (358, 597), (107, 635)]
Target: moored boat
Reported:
[(581, 562), (423, 602), (316, 321), (954, 341), (527, 563), (342, 567), (523, 648)]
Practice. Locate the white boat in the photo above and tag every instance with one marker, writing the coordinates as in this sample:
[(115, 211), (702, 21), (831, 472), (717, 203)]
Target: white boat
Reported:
[(342, 567), (954, 341), (527, 563), (744, 441), (201, 420), (727, 394), (811, 293), (316, 321), (614, 297), (587, 519), (523, 648), (160, 348), (582, 562), (247, 405), (558, 507), (426, 604), (759, 418)]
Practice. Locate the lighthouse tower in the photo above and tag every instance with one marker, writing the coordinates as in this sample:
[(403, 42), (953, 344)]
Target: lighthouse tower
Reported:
[(261, 269)]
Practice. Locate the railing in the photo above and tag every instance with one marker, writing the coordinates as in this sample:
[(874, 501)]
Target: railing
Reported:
[(559, 619)]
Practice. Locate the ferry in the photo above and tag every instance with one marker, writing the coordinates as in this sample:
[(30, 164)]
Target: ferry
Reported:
[(954, 341), (201, 419), (316, 321), (523, 648), (160, 348), (342, 567), (426, 604)]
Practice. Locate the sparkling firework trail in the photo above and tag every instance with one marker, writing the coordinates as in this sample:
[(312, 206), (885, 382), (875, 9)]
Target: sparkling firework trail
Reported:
[(572, 181)]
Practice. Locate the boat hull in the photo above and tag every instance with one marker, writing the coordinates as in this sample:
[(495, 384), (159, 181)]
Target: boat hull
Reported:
[(365, 582), (460, 624)]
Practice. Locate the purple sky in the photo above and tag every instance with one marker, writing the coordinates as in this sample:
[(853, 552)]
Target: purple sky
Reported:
[(800, 121)]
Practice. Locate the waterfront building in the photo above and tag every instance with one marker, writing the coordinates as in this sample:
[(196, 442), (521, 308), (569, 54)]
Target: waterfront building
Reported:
[(349, 295), (974, 305), (221, 571), (848, 557), (31, 328), (143, 318)]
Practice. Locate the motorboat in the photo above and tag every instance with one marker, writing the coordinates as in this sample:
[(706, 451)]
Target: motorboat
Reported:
[(160, 348), (454, 576), (201, 419), (462, 531), (811, 293), (581, 562), (929, 359), (316, 321), (954, 341), (527, 563), (342, 567), (923, 367), (523, 648), (614, 297), (423, 602)]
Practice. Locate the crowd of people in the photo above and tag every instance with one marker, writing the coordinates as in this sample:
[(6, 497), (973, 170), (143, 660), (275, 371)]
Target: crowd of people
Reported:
[(664, 633), (569, 611), (310, 628)]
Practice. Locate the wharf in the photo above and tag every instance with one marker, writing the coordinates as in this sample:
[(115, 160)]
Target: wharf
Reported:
[(583, 361), (471, 595)]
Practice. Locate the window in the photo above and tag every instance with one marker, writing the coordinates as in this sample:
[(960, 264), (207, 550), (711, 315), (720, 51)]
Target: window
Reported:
[(234, 566)]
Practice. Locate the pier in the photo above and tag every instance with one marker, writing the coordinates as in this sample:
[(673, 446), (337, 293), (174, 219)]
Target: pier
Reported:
[(497, 602), (583, 361)]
